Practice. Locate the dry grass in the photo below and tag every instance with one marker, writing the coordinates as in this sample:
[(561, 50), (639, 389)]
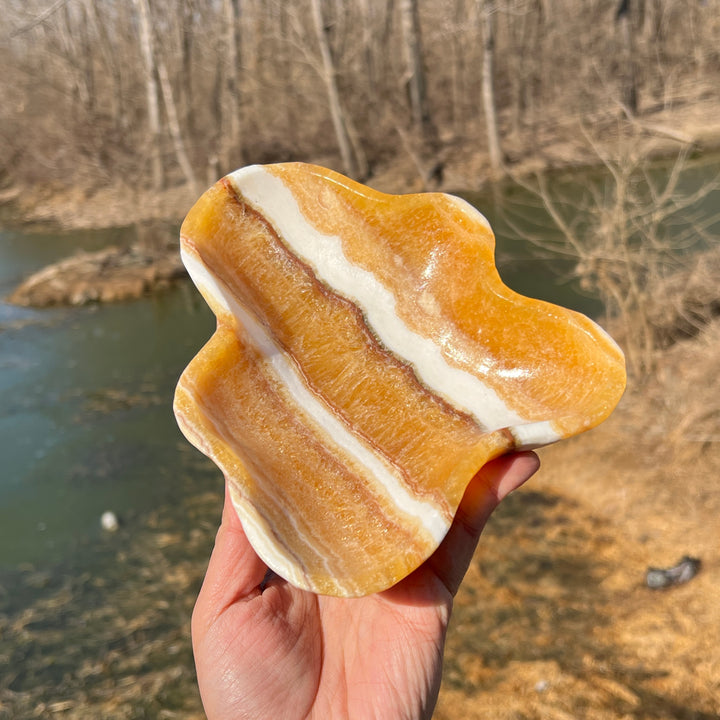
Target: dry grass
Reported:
[(114, 643), (554, 619)]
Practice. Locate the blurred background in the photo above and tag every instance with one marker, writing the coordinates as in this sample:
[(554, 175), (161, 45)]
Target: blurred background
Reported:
[(588, 132)]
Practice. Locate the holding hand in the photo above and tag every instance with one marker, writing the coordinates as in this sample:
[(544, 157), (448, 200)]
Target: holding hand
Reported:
[(265, 649)]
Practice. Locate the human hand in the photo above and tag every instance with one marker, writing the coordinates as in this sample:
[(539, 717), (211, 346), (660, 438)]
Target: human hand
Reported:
[(270, 650)]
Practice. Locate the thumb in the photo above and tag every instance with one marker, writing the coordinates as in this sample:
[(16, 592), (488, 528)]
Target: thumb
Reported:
[(493, 483), (234, 572)]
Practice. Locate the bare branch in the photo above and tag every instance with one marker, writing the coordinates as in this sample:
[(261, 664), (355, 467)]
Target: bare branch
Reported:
[(40, 19)]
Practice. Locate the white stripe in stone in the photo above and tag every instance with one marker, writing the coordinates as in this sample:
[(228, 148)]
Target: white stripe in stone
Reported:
[(430, 517), (261, 537), (269, 195)]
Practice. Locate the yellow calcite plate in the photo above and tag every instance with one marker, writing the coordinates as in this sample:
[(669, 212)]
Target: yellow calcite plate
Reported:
[(367, 362)]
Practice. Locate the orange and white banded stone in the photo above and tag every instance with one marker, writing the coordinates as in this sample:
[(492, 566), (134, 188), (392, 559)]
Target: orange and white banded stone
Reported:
[(367, 362)]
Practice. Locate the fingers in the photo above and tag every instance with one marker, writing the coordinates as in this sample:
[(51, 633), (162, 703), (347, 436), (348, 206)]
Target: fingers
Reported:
[(494, 482), (234, 571)]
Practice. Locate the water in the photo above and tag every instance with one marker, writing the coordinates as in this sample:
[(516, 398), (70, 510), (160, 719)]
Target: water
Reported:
[(86, 423), (690, 222)]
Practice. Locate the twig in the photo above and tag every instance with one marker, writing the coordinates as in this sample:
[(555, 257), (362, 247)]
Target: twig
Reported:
[(40, 19)]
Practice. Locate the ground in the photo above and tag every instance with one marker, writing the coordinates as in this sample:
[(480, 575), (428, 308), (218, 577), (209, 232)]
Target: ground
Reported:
[(554, 619)]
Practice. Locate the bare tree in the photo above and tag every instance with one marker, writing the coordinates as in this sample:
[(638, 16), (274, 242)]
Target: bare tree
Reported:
[(104, 46), (256, 80), (628, 69), (524, 21), (458, 64), (151, 91), (230, 104), (174, 127), (486, 16), (353, 159), (618, 232), (71, 42), (414, 69), (367, 18)]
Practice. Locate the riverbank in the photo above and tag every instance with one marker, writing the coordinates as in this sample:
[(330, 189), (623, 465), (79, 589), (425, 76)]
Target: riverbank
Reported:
[(556, 142), (110, 275), (152, 262)]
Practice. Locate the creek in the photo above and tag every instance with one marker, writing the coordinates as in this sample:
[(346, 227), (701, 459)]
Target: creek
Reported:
[(86, 423)]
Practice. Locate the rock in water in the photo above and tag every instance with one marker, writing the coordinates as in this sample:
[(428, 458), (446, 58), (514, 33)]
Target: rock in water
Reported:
[(367, 362)]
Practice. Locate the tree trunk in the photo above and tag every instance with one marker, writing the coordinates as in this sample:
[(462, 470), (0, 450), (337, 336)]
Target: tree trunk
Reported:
[(287, 69), (412, 53), (629, 90), (367, 20), (117, 106), (230, 105), (186, 101), (487, 22), (524, 28), (457, 58), (175, 131), (353, 159), (87, 60), (151, 90), (72, 33)]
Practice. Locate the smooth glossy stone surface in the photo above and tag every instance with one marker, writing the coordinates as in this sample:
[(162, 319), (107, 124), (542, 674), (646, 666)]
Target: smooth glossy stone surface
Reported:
[(367, 362)]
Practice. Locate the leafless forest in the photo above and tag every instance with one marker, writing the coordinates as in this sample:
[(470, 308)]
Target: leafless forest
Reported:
[(161, 92)]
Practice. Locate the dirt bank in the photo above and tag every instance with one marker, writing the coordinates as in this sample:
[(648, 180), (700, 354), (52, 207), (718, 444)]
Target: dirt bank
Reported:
[(108, 275)]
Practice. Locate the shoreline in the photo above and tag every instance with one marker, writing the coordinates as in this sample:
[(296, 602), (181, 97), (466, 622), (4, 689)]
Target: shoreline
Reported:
[(152, 262), (555, 145)]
